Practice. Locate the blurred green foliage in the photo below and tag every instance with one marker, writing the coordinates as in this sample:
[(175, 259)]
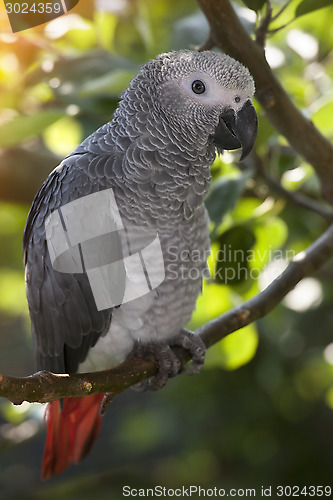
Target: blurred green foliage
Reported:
[(261, 411)]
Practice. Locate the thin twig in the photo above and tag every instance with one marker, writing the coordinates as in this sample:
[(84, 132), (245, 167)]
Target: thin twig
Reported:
[(261, 31), (44, 386), (295, 198), (278, 14), (276, 30)]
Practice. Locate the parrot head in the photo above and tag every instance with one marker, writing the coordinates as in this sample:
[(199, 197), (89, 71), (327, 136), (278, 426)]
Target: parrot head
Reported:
[(206, 97)]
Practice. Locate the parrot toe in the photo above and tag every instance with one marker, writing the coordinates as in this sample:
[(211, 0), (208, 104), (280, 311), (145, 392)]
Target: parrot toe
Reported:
[(196, 347), (168, 366)]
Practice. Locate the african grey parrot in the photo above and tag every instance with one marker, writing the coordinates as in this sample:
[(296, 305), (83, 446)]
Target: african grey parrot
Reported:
[(113, 236)]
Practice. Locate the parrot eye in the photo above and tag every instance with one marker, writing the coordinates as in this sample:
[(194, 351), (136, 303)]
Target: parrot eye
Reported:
[(237, 98), (198, 87)]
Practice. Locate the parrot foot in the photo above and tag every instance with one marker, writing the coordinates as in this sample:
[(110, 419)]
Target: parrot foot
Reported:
[(196, 347), (168, 364)]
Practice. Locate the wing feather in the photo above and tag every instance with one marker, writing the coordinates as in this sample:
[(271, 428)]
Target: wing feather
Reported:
[(64, 316)]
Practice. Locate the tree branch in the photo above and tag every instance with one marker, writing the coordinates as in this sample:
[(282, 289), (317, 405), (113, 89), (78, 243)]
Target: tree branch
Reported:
[(262, 30), (44, 386), (229, 35)]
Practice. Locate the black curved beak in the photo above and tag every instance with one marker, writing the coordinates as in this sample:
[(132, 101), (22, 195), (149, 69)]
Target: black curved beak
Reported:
[(237, 129)]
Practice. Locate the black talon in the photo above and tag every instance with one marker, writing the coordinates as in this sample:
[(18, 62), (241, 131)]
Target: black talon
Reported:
[(108, 397)]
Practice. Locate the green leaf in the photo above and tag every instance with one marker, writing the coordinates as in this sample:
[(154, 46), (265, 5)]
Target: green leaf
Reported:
[(12, 293), (265, 132), (111, 83), (322, 118), (214, 300), (270, 236), (22, 127), (224, 196), (105, 23), (232, 264), (254, 4), (313, 379), (307, 6), (15, 414), (235, 350), (63, 136)]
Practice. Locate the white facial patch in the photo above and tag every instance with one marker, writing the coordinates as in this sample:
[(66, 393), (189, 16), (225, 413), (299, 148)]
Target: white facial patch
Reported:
[(215, 94)]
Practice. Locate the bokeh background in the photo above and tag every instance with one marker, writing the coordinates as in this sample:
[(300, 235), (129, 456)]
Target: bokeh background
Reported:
[(261, 412)]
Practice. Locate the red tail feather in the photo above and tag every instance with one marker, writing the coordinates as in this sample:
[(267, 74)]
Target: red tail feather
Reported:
[(71, 432)]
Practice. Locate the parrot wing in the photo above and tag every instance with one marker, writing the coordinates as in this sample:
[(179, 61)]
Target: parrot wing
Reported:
[(64, 316)]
